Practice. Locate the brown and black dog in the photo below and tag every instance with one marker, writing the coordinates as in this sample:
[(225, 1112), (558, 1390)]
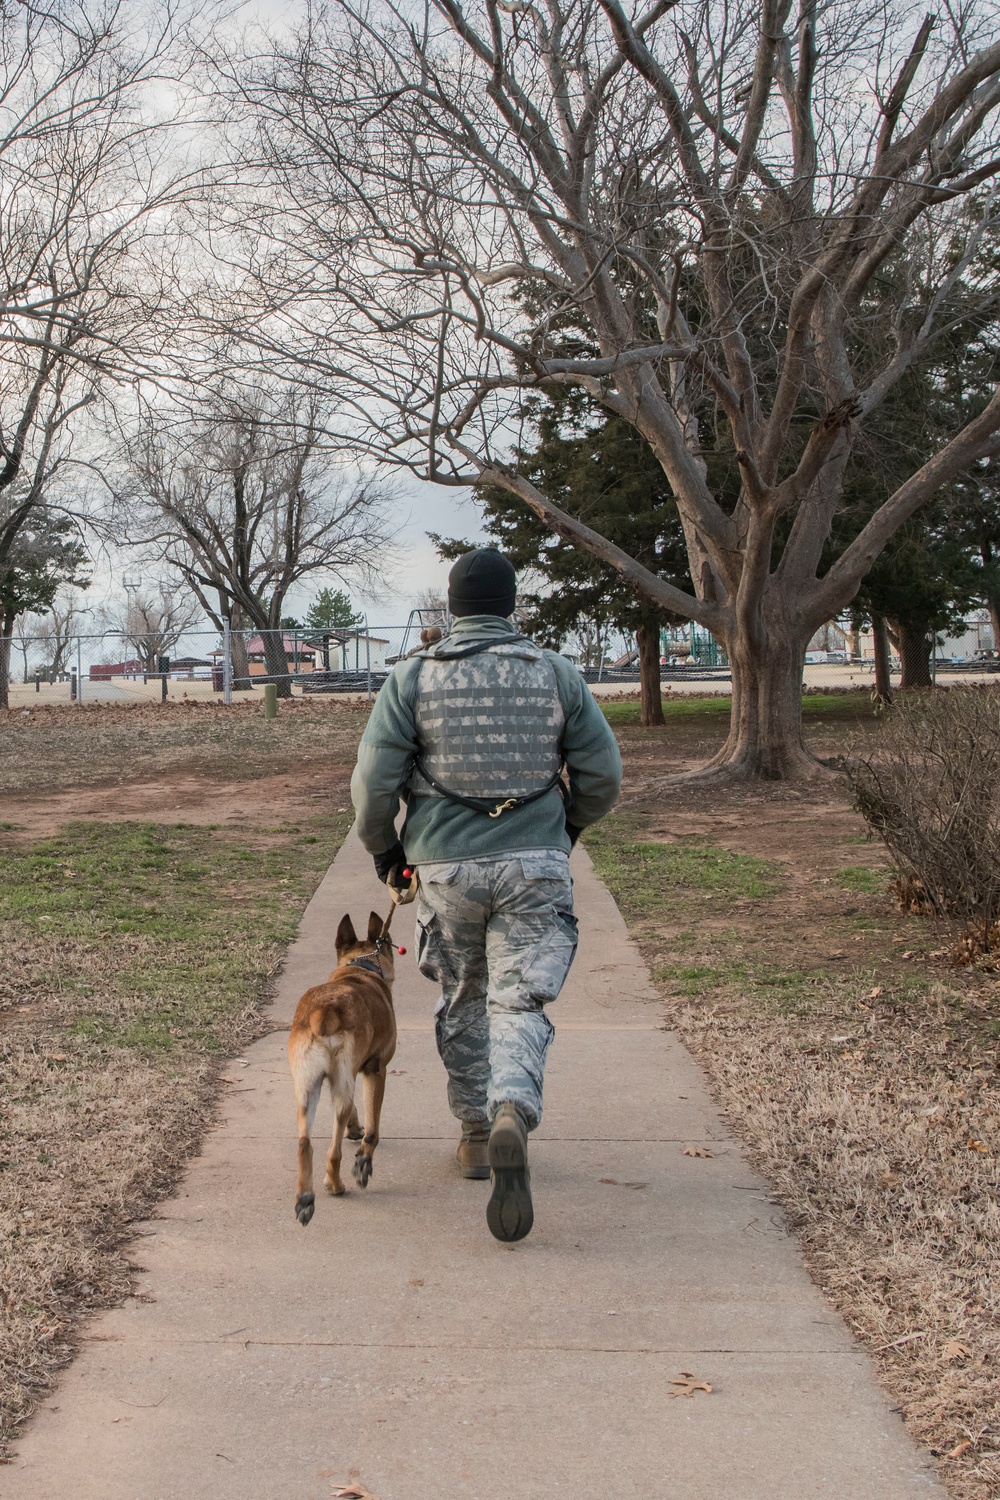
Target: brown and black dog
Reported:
[(342, 1028)]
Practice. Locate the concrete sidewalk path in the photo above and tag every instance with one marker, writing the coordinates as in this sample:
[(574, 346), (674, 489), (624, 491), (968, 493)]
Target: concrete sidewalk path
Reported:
[(394, 1342)]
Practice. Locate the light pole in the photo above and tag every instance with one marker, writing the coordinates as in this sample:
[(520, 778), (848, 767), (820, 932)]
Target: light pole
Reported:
[(131, 585)]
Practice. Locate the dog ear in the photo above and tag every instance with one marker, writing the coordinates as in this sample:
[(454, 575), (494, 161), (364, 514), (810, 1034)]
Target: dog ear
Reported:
[(346, 936), (374, 927)]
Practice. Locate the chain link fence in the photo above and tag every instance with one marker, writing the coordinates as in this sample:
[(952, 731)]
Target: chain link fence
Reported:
[(119, 666)]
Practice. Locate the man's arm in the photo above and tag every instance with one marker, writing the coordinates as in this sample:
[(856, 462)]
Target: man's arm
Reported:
[(589, 748), (387, 748)]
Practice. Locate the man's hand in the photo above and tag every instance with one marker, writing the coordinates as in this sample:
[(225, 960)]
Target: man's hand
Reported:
[(390, 868)]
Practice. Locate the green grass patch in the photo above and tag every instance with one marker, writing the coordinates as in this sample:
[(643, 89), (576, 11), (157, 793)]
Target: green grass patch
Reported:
[(786, 991), (673, 708), (642, 875), (841, 706), (156, 938), (861, 879)]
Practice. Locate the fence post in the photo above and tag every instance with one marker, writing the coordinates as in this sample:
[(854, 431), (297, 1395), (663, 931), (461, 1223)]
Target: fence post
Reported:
[(79, 670), (270, 700), (227, 662), (368, 658)]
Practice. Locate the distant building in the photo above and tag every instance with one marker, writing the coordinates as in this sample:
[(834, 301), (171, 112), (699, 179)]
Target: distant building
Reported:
[(975, 640), (347, 651), (300, 655), (103, 671), (320, 651)]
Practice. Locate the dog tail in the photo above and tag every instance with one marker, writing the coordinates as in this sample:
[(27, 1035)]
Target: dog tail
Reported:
[(324, 1021)]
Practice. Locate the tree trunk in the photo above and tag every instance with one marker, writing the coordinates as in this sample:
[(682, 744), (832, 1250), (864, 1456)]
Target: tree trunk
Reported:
[(765, 732), (915, 648), (880, 642), (647, 638), (242, 682), (276, 661)]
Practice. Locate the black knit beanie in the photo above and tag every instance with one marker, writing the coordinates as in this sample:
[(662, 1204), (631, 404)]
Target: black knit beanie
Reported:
[(482, 582)]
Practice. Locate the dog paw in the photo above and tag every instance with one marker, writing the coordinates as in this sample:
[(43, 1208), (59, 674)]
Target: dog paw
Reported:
[(362, 1168), (335, 1189), (304, 1205), (356, 1132)]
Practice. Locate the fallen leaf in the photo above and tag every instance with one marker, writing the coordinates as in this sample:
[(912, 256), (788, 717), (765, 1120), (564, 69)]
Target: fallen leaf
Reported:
[(687, 1385), (697, 1151), (876, 993), (611, 1181), (353, 1492), (417, 1281), (959, 1449), (954, 1349), (972, 1144)]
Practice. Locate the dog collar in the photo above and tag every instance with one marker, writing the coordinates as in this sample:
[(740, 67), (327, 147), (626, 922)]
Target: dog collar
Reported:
[(366, 963)]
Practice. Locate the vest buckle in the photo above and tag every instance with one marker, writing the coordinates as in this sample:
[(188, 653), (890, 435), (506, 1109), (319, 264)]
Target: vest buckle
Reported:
[(502, 807)]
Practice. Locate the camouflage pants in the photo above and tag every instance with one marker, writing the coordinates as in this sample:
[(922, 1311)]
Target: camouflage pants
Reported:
[(499, 936)]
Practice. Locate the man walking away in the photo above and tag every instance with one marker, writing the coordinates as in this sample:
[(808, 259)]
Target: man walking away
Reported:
[(472, 733)]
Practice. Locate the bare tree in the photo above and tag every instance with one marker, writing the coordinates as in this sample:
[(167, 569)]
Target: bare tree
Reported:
[(153, 621), (689, 211), (59, 629), (243, 502), (90, 194), (433, 608)]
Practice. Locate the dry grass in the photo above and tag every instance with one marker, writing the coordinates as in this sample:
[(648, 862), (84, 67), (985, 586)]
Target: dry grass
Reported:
[(883, 1150), (135, 958)]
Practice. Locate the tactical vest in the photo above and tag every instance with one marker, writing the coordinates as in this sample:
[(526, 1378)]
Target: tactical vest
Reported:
[(490, 724)]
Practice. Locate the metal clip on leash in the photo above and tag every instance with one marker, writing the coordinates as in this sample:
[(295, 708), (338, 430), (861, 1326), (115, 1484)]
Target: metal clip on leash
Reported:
[(502, 807)]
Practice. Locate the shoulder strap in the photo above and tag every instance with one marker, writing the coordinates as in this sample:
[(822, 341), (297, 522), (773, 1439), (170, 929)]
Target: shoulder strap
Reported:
[(475, 647)]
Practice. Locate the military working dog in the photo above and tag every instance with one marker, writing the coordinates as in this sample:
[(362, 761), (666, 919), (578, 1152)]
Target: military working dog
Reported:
[(344, 1027)]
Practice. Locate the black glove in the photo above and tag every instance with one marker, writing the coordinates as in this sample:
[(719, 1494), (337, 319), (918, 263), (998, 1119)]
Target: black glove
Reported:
[(389, 866), (574, 833)]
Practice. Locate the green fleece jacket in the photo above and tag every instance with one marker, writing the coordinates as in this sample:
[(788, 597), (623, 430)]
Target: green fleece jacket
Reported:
[(436, 829)]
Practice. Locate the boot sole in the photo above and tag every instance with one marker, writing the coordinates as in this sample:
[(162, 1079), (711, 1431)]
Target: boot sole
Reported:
[(509, 1213)]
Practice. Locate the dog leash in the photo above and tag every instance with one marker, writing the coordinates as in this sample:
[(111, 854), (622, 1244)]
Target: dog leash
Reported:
[(485, 804)]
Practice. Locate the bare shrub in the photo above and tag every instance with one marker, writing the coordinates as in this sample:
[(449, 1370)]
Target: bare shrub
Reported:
[(930, 789)]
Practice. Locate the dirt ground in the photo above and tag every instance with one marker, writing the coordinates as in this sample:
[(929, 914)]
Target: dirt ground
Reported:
[(858, 1063), (190, 762)]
